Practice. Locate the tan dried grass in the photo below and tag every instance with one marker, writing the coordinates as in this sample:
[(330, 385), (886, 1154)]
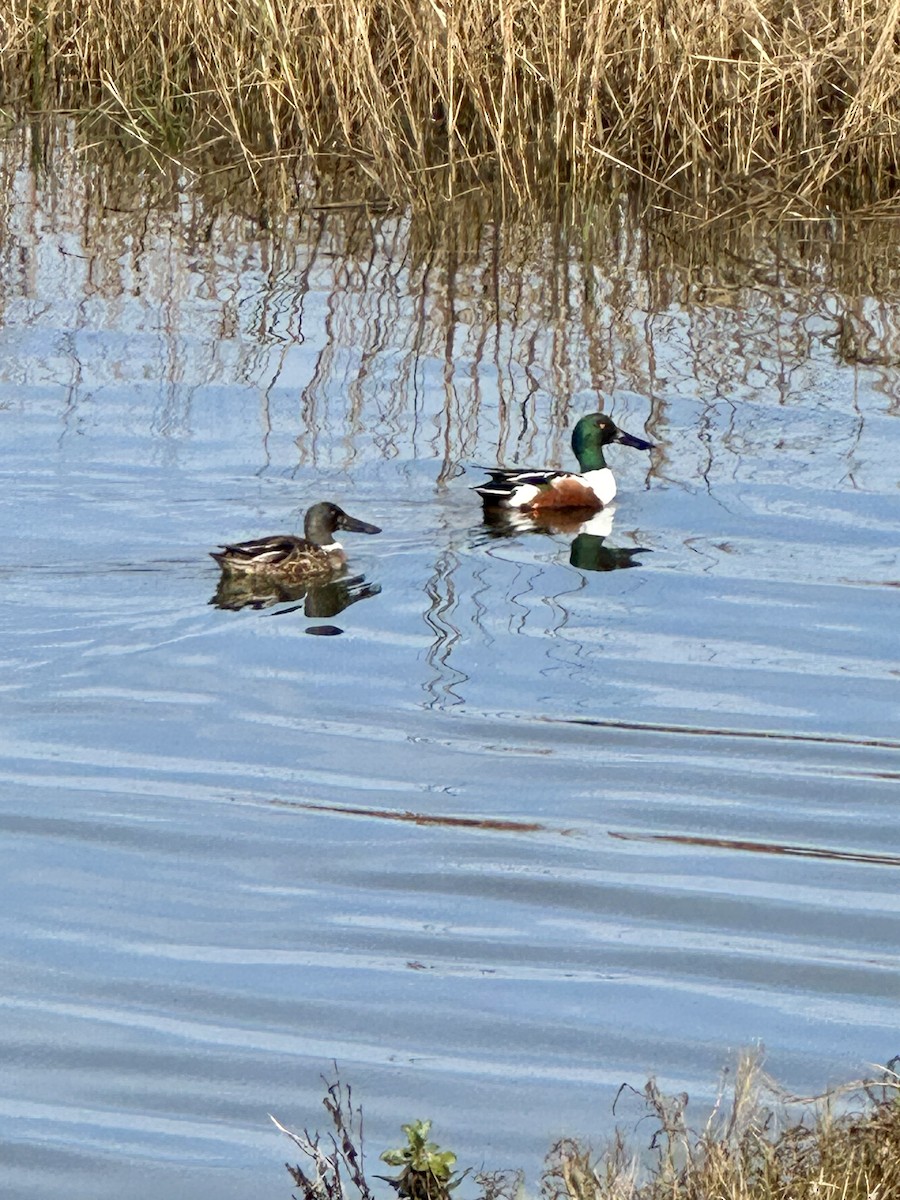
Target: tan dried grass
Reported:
[(716, 102), (848, 1148), (845, 1146)]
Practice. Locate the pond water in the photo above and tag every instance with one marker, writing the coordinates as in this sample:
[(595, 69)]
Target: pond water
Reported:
[(526, 826)]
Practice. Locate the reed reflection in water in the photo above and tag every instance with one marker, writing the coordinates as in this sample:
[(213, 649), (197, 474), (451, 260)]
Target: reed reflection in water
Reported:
[(626, 820)]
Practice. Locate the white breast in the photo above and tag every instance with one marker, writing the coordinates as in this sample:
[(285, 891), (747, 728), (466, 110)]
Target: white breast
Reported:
[(602, 483), (335, 552)]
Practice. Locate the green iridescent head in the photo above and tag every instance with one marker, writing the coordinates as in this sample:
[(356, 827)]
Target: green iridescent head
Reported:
[(595, 431)]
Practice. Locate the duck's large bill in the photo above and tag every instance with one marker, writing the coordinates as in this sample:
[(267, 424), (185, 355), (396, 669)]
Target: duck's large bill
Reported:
[(636, 443), (352, 525)]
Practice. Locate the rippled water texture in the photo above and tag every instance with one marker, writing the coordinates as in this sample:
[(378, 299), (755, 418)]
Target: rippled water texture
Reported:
[(524, 827)]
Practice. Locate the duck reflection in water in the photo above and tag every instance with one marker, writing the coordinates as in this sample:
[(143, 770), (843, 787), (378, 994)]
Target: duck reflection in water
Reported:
[(319, 597), (589, 529)]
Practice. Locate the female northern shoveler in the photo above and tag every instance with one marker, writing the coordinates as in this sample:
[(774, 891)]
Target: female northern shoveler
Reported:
[(593, 488), (288, 557)]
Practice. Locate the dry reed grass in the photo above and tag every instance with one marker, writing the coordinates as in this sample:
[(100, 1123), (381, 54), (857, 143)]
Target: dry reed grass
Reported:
[(709, 102), (847, 1147)]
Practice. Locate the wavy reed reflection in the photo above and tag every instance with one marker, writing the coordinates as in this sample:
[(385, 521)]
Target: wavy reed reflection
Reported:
[(418, 818), (414, 332), (441, 593), (879, 860), (766, 735)]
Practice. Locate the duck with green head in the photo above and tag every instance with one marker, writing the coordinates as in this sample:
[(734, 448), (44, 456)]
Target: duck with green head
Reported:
[(593, 487), (287, 557)]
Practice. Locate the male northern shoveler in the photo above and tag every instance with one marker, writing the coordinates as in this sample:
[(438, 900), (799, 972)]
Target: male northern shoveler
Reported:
[(593, 488), (290, 558)]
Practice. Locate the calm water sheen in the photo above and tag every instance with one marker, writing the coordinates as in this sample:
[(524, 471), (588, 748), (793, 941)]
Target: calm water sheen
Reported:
[(524, 829)]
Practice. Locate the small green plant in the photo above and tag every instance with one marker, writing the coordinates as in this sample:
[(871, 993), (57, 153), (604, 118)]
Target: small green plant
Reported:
[(427, 1172)]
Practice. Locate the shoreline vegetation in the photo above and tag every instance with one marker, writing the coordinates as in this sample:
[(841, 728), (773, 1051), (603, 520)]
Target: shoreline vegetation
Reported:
[(756, 1144), (544, 106)]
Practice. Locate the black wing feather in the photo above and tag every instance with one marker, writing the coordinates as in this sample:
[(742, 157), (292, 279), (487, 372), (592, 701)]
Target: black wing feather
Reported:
[(273, 549)]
